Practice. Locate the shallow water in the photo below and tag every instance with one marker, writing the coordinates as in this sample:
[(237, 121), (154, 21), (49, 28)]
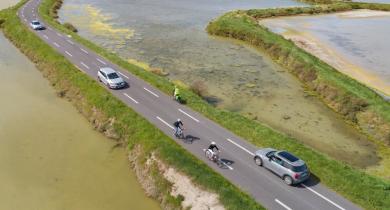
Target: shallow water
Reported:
[(358, 41), (171, 35), (50, 157)]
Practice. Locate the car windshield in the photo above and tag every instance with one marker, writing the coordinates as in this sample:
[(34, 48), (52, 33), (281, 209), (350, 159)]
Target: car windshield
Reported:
[(269, 154), (299, 168), (113, 76), (35, 23)]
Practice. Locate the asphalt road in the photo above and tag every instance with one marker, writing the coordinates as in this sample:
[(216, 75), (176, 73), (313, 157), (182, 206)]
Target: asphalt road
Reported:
[(161, 110)]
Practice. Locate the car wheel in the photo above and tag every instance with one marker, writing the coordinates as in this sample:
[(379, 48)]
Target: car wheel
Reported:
[(258, 161), (288, 180)]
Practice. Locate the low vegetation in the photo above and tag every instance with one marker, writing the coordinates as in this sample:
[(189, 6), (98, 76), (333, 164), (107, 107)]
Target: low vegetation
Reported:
[(368, 191), (115, 119)]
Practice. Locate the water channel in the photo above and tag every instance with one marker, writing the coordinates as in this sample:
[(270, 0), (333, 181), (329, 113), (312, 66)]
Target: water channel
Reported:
[(50, 157), (170, 34)]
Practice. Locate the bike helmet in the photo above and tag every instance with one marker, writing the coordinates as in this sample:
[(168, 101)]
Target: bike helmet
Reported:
[(213, 143), (178, 120)]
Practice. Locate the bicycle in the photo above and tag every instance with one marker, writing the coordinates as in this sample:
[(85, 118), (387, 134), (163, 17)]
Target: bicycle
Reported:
[(179, 134), (213, 156)]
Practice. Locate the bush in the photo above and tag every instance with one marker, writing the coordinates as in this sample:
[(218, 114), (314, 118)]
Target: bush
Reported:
[(199, 87), (70, 27)]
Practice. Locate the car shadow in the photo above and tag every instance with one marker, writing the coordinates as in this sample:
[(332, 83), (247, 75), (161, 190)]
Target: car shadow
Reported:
[(312, 181), (189, 139)]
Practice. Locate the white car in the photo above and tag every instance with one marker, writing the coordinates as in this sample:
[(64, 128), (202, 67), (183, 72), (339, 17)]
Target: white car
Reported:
[(111, 78), (36, 25)]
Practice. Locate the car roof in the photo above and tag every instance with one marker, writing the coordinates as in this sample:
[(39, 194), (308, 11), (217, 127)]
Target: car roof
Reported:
[(294, 160), (107, 70), (35, 21)]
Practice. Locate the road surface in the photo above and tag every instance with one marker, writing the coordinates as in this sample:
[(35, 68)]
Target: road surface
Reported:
[(159, 109)]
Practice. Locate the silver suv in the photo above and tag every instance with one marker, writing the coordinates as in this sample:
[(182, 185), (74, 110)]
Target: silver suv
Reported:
[(290, 168), (111, 78)]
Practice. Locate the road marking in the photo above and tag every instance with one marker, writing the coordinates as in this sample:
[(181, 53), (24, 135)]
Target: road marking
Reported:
[(123, 75), (22, 15), (85, 65), (69, 41), (167, 124), (282, 204), (101, 61), (68, 53), (79, 68), (46, 37), (151, 92), (55, 43), (189, 115), (25, 19), (323, 197), (58, 34), (86, 52), (241, 147), (130, 98)]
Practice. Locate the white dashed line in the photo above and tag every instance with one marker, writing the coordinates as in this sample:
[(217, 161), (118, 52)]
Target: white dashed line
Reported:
[(123, 75), (86, 52), (130, 98), (241, 147), (57, 45), (25, 19), (323, 197), (70, 42), (101, 61), (167, 124), (85, 65), (151, 92), (58, 34), (46, 37), (188, 115), (68, 53), (282, 204)]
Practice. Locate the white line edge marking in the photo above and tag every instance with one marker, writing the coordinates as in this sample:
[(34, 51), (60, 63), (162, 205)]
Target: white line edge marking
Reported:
[(55, 43), (123, 75), (85, 65), (58, 34), (46, 37), (151, 92), (241, 147), (130, 98), (282, 204), (188, 115), (68, 53), (323, 197), (86, 52), (69, 41), (101, 61), (79, 68), (167, 124)]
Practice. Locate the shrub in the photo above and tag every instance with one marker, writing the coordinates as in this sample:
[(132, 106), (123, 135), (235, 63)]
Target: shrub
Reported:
[(70, 27)]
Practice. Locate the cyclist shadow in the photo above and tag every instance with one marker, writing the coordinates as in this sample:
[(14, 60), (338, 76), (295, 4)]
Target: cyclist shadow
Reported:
[(226, 164), (189, 139)]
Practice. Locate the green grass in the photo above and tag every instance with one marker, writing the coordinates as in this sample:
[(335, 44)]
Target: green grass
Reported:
[(368, 191), (88, 95)]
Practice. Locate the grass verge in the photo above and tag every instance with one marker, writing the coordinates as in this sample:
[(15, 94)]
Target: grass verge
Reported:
[(111, 115), (368, 191)]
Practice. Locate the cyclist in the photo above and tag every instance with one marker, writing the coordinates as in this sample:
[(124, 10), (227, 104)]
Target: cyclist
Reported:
[(176, 94), (178, 127), (214, 149)]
